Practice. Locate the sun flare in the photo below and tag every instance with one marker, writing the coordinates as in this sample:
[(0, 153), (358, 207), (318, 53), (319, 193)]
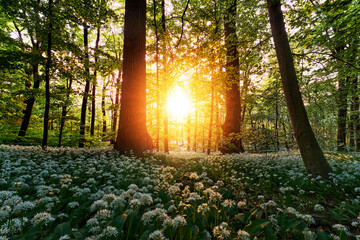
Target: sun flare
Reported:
[(178, 104)]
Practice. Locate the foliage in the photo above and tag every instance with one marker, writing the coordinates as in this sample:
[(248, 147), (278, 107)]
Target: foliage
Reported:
[(65, 193)]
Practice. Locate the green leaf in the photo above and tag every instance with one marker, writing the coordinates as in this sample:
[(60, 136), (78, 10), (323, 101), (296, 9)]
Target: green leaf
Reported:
[(145, 235), (256, 226), (119, 222), (61, 230), (322, 234)]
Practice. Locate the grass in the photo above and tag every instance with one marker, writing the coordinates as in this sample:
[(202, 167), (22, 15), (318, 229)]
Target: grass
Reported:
[(70, 193)]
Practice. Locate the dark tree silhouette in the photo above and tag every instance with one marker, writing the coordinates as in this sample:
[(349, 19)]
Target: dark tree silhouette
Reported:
[(132, 133), (310, 150)]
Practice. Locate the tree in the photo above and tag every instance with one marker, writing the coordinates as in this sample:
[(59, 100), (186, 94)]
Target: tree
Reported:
[(310, 150), (132, 133), (47, 77), (231, 127)]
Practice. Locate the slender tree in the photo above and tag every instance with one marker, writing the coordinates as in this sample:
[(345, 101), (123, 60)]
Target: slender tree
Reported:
[(47, 76), (87, 86), (310, 150), (132, 133)]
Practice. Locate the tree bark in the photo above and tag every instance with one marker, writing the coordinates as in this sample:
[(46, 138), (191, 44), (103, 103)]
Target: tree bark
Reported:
[(103, 109), (116, 110), (64, 111), (29, 103), (47, 79), (310, 151), (211, 118), (87, 88), (132, 134), (166, 120), (232, 125), (342, 114)]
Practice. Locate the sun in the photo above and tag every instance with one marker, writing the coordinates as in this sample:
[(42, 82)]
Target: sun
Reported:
[(178, 104)]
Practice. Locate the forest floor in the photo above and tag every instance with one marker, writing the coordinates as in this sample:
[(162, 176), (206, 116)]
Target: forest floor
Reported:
[(70, 193)]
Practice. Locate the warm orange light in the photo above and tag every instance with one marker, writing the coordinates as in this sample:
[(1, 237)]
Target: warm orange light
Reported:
[(178, 104)]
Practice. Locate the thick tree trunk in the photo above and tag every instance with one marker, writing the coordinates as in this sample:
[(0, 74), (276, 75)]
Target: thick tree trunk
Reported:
[(232, 125), (47, 79), (132, 134), (310, 150), (87, 88)]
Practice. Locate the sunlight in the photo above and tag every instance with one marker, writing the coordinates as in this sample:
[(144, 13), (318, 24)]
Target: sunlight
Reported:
[(178, 104)]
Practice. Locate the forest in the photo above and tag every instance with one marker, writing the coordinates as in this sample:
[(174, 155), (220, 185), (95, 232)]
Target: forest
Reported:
[(179, 119)]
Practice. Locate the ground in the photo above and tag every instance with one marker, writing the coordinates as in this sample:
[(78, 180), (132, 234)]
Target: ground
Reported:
[(70, 193)]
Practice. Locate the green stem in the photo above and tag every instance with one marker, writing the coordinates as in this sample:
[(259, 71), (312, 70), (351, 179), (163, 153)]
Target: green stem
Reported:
[(129, 228)]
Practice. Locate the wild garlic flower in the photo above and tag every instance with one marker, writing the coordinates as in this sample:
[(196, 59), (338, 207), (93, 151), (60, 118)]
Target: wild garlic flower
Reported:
[(43, 218), (243, 235), (194, 176), (199, 186), (318, 208), (241, 204), (97, 205), (110, 232), (179, 221), (73, 204), (221, 231), (228, 203), (157, 235), (203, 208)]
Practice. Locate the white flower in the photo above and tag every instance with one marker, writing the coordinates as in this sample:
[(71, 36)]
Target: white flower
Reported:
[(110, 231), (199, 186), (65, 237), (228, 203), (42, 218), (243, 235), (318, 208), (156, 235), (203, 208), (99, 204), (221, 231), (73, 204), (179, 221), (241, 204), (194, 176)]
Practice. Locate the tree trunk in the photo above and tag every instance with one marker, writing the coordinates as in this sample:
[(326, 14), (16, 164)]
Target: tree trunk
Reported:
[(356, 117), (29, 103), (93, 99), (103, 109), (64, 111), (157, 140), (116, 110), (166, 120), (232, 125), (87, 88), (132, 133), (353, 114), (47, 79), (342, 114), (211, 119), (310, 150)]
